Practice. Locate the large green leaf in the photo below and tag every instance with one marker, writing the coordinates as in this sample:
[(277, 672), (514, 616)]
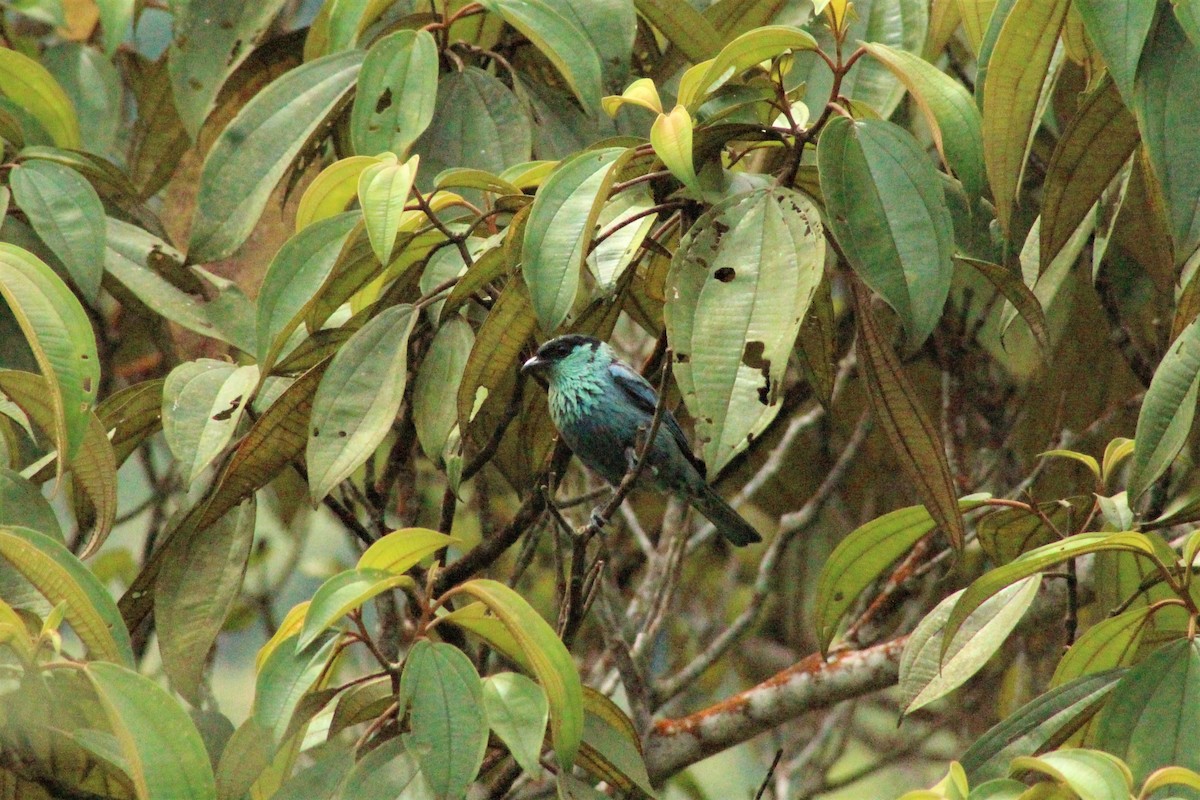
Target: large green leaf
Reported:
[(547, 657), (161, 746), (887, 208), (925, 675), (358, 398), (949, 110), (1167, 412), (1168, 116), (438, 380), (1035, 561), (1095, 146), (1011, 91), (517, 711), (22, 505), (683, 26), (1149, 720), (560, 228), (611, 749), (298, 269), (1046, 719), (27, 84), (1087, 774), (560, 40), (611, 27), (283, 680), (477, 122), (1118, 29), (449, 729), (60, 334), (258, 147), (861, 558), (388, 772), (200, 581), (95, 89), (397, 88), (739, 286), (630, 210), (202, 404), (62, 578), (67, 214), (383, 189)]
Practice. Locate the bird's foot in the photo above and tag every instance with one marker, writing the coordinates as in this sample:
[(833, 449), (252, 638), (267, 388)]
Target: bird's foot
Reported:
[(596, 519)]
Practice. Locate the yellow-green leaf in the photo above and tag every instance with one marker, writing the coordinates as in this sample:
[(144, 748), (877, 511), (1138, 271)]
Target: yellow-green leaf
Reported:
[(331, 190), (30, 86)]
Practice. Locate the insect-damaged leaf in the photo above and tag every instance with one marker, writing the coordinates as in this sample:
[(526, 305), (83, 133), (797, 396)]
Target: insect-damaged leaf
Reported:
[(396, 92), (898, 410), (737, 291)]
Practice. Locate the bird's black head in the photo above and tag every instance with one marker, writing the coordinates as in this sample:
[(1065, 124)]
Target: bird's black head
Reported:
[(555, 350)]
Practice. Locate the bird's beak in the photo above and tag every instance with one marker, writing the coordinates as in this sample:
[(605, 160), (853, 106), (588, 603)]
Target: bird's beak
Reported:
[(534, 366)]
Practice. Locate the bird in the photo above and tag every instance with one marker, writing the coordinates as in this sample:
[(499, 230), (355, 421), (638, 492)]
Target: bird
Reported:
[(603, 409)]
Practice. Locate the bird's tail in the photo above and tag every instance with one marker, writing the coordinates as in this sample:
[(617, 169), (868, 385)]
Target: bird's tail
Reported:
[(729, 523)]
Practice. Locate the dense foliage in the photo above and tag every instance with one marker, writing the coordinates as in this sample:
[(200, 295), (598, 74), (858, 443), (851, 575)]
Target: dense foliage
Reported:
[(280, 516)]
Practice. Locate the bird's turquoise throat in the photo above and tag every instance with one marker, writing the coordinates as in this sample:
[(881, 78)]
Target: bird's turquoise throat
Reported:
[(577, 389)]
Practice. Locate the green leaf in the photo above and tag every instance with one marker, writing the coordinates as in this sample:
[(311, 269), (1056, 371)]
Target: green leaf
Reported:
[(611, 27), (60, 335), (745, 51), (28, 84), (611, 749), (200, 581), (925, 675), (739, 287), (342, 593), (477, 123), (863, 556), (23, 506), (1167, 113), (397, 88), (67, 214), (358, 399), (1089, 774), (130, 252), (1110, 643), (1047, 719), (915, 441), (630, 209), (1011, 91), (283, 679), (1118, 29), (61, 577), (202, 404), (331, 191), (258, 147), (517, 711), (399, 551), (548, 658), (1006, 533), (449, 728), (1167, 412), (320, 780), (1091, 152), (1149, 718), (95, 89), (94, 467), (1038, 559), (439, 378), (383, 190), (1026, 303), (298, 269), (210, 39), (388, 772), (1170, 776), (683, 26), (949, 110), (491, 376), (887, 209), (560, 230), (558, 38), (161, 745)]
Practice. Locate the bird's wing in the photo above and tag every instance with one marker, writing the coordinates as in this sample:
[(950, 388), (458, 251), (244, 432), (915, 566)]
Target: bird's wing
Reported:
[(644, 397)]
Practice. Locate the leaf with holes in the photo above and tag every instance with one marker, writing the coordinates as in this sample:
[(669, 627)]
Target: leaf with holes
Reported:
[(738, 288), (202, 404), (397, 88)]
